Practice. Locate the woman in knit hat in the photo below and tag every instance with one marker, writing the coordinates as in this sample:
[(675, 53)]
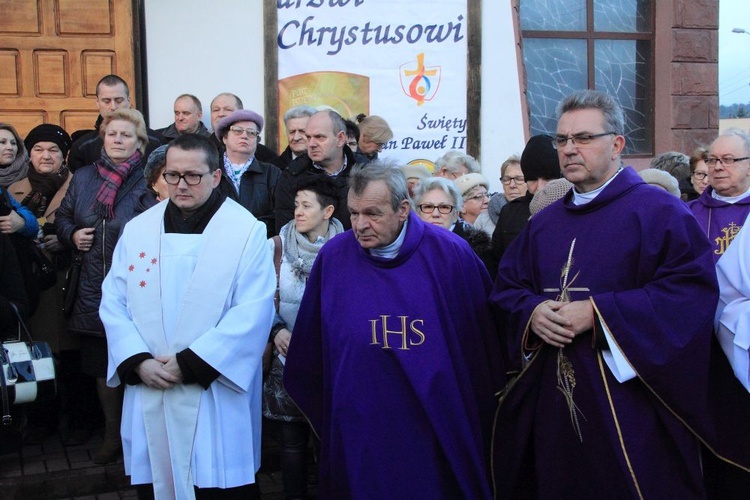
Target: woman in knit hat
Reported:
[(473, 188), (41, 192)]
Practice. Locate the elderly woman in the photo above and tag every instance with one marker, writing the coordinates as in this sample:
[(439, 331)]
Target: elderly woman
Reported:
[(250, 182), (374, 134), (13, 159), (473, 188), (698, 172), (296, 247), (100, 198), (41, 191), (514, 186), (438, 202)]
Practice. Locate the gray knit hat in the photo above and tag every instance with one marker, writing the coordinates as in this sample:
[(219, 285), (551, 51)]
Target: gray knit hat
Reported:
[(553, 191), (156, 160)]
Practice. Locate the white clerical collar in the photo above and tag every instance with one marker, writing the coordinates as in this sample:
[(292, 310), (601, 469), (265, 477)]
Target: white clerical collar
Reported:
[(583, 198), (390, 251), (730, 199)]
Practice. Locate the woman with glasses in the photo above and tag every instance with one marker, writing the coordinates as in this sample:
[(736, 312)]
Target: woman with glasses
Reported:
[(474, 192), (438, 202), (245, 179), (698, 172), (100, 199)]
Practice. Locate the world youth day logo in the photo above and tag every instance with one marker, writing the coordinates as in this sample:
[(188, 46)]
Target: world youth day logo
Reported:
[(418, 81)]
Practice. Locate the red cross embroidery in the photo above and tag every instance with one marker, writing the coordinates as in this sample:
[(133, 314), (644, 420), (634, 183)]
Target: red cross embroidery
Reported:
[(142, 255), (131, 267), (143, 284), (153, 261)]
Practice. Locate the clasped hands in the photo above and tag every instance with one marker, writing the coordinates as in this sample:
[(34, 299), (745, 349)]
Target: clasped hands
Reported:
[(558, 323), (161, 372)]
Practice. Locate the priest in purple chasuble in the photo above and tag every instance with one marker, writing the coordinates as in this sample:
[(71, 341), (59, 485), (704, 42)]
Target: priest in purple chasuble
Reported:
[(395, 359), (723, 207), (607, 298)]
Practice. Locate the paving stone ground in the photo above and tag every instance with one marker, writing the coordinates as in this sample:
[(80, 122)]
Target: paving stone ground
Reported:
[(53, 471)]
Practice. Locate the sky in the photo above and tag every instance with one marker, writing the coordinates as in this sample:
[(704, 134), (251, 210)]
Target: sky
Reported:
[(734, 52)]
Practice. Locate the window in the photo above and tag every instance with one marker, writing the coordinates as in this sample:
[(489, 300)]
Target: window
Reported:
[(604, 45)]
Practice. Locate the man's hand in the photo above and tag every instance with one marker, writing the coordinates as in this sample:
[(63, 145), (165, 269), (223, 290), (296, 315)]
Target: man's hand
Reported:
[(171, 366), (153, 373), (551, 326), (579, 314), (281, 340)]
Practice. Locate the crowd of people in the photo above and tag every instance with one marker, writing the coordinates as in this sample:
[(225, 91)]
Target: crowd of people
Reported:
[(558, 339)]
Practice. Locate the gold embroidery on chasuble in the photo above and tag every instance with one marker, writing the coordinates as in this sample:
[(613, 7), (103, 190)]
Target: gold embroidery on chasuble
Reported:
[(566, 376), (399, 332), (723, 242)]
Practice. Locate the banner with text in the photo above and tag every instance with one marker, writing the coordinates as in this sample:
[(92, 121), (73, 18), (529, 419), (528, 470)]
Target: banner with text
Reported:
[(403, 61)]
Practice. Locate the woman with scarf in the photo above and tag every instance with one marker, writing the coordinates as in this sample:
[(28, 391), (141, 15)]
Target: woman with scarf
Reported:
[(100, 198), (295, 249), (13, 167), (41, 191)]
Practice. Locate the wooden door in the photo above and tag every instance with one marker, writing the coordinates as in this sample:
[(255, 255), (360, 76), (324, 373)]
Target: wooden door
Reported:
[(53, 53)]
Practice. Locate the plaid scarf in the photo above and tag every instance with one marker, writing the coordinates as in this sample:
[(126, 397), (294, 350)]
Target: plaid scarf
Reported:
[(112, 176)]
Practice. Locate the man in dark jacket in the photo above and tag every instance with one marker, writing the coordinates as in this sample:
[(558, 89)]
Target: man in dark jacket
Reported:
[(188, 112), (327, 154), (539, 164), (250, 182), (112, 93)]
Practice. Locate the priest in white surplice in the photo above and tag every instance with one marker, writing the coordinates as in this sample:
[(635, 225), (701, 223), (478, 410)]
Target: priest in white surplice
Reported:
[(187, 306)]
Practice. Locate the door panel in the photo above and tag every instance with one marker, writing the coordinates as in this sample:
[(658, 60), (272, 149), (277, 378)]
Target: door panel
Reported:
[(53, 54)]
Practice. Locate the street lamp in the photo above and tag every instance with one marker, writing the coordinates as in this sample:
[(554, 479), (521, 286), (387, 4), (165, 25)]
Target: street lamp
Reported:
[(740, 30)]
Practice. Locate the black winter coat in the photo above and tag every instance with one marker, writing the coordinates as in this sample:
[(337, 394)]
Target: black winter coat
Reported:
[(76, 213), (257, 191)]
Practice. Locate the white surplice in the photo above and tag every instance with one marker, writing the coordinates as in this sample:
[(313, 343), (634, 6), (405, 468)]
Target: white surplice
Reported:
[(213, 293), (732, 323)]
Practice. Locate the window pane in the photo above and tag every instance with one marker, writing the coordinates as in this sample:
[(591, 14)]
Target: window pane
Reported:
[(554, 69), (553, 15), (622, 16), (623, 70)]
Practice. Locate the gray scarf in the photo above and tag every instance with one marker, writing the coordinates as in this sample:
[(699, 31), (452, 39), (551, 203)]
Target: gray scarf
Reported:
[(15, 171), (301, 253)]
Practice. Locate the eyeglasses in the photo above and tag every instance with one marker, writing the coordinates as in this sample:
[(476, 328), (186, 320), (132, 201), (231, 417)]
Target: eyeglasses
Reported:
[(517, 179), (578, 139), (726, 161), (352, 144), (428, 208), (479, 197), (190, 179), (238, 131), (700, 175)]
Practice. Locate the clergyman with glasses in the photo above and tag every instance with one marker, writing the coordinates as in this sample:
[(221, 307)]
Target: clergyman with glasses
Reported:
[(606, 301), (190, 360), (724, 205), (245, 179)]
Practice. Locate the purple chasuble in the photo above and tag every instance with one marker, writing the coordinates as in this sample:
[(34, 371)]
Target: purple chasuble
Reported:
[(396, 364), (720, 221), (566, 428)]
